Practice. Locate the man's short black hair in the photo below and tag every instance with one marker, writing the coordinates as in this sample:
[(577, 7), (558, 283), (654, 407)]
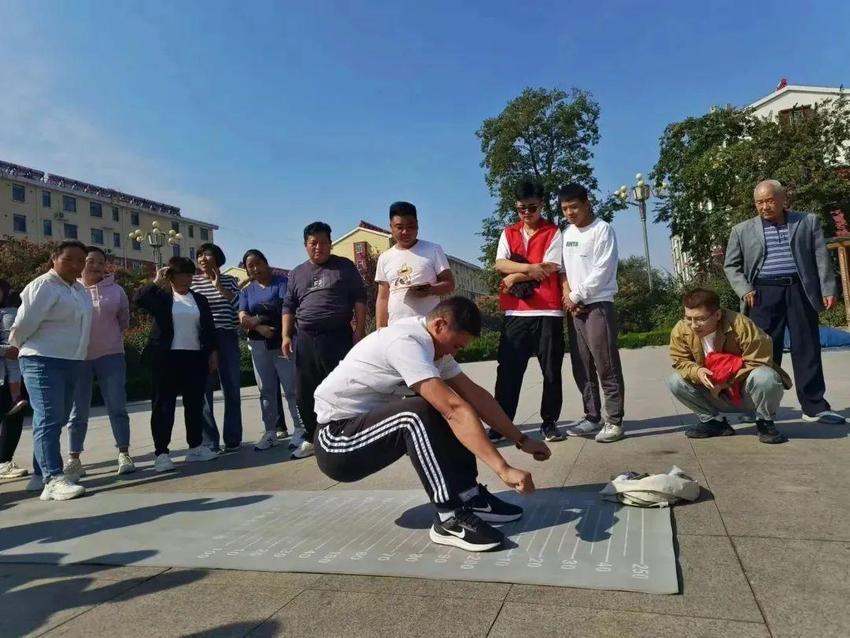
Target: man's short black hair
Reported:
[(701, 298), (402, 209), (217, 253), (317, 228), (181, 266), (529, 189), (461, 314), (572, 191), (65, 245)]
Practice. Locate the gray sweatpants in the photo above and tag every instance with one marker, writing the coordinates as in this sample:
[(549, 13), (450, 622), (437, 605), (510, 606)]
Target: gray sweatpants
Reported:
[(270, 368), (596, 361), (761, 395)]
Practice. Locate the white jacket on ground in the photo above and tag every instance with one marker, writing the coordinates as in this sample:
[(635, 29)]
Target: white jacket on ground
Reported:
[(653, 490)]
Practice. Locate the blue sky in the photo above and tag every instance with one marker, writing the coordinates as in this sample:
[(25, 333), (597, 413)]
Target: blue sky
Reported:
[(264, 116)]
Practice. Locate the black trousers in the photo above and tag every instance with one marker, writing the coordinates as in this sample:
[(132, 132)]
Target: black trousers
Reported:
[(781, 306), (178, 373), (352, 449), (521, 338), (10, 426), (316, 355)]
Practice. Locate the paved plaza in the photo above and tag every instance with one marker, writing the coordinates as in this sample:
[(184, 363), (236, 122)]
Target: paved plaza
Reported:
[(764, 552)]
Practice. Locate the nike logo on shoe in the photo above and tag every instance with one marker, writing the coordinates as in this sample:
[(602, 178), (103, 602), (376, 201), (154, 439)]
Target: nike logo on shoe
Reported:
[(460, 534), (488, 508)]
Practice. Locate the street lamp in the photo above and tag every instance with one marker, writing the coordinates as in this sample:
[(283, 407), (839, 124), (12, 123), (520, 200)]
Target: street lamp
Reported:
[(157, 239), (640, 193)]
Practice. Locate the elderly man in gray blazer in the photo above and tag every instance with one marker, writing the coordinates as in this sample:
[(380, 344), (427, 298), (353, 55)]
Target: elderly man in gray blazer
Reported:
[(778, 264)]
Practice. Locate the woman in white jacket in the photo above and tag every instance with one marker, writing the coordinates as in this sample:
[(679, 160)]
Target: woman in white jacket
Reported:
[(51, 334)]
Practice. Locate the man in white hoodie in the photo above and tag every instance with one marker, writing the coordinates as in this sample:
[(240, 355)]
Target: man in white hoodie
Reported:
[(590, 268)]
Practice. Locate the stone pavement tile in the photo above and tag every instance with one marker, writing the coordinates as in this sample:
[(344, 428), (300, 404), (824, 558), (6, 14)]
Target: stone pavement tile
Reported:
[(100, 572), (412, 586), (802, 586), (559, 621), (354, 614), (713, 586), (33, 603), (187, 602), (773, 498)]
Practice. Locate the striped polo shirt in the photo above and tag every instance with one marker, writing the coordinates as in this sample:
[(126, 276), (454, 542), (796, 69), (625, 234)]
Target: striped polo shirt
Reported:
[(778, 258), (224, 312)]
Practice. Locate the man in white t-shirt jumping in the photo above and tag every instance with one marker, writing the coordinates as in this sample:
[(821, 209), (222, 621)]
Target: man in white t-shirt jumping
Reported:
[(590, 266), (365, 424), (413, 274)]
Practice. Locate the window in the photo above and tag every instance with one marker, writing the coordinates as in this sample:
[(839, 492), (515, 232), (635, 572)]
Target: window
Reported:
[(134, 218), (191, 231), (95, 209), (116, 240), (116, 216), (796, 114), (191, 252), (69, 204), (20, 223), (205, 234), (137, 245), (19, 193), (175, 226), (97, 236), (46, 200), (47, 227), (70, 231), (177, 250)]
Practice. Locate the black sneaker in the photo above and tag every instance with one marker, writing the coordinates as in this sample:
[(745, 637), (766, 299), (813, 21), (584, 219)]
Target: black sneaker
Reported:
[(491, 509), (768, 432), (551, 432), (708, 429), (465, 530), (494, 436)]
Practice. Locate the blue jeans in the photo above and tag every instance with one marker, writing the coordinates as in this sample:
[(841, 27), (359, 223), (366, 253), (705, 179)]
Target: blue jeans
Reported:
[(272, 370), (228, 375), (51, 383), (111, 373)]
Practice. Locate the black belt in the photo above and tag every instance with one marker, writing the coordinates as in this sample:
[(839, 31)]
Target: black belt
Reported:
[(790, 280)]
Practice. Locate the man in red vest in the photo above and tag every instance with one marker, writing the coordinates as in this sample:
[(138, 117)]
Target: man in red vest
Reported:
[(529, 259)]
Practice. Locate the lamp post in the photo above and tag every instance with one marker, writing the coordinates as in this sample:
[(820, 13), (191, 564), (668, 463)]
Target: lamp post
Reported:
[(157, 239), (640, 193)]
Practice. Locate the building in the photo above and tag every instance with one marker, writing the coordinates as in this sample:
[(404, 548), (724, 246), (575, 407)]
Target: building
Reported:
[(786, 103), (367, 239), (42, 207)]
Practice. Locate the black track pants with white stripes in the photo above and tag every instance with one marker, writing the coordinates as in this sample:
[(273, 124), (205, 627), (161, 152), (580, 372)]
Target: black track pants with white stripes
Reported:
[(352, 449)]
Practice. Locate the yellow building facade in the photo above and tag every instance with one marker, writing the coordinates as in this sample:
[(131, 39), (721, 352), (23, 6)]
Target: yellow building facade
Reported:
[(42, 207)]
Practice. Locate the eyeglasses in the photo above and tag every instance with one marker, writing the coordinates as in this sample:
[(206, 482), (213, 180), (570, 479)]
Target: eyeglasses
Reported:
[(529, 208), (698, 321)]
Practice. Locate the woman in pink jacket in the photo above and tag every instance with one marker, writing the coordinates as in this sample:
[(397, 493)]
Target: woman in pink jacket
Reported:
[(104, 360)]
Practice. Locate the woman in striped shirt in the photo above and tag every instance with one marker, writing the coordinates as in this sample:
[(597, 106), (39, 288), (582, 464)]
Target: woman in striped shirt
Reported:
[(222, 293)]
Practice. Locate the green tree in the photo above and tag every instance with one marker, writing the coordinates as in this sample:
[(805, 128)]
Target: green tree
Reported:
[(21, 261), (638, 309), (713, 162), (544, 134)]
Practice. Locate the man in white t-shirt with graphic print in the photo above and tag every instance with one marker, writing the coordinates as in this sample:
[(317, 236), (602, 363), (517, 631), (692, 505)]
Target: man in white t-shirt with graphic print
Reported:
[(365, 424), (413, 274)]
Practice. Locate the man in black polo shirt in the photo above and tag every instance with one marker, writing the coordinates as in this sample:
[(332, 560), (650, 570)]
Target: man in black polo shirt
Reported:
[(323, 294)]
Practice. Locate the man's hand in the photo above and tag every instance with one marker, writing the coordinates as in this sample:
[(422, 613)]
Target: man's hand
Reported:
[(286, 347), (704, 375), (421, 291), (12, 353), (570, 305), (750, 299), (537, 272), (508, 281), (518, 480), (829, 302), (212, 363), (265, 331), (359, 334), (538, 449)]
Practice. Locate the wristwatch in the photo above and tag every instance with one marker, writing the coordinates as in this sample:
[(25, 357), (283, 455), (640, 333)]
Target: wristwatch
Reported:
[(519, 443)]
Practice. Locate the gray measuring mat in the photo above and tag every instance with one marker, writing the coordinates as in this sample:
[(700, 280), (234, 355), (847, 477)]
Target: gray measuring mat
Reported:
[(566, 537)]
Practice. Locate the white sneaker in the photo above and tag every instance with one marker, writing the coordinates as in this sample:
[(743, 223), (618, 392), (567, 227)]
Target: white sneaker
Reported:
[(269, 439), (303, 451), (35, 484), (163, 463), (282, 434), (125, 463), (827, 416), (11, 470), (200, 453), (73, 470), (610, 433), (59, 488), (583, 428)]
